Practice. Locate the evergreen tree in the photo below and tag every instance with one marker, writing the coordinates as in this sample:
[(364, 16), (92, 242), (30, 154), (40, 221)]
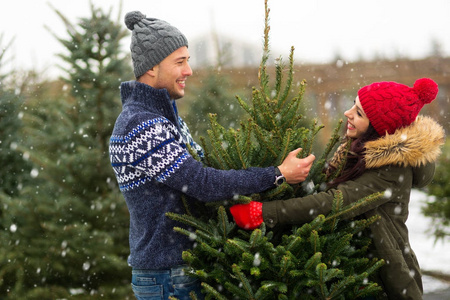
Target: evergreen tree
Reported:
[(212, 97), (438, 207), (15, 169), (68, 232), (324, 259)]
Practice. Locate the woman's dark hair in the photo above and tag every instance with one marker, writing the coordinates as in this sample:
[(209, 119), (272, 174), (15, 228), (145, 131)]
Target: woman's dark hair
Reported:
[(355, 164)]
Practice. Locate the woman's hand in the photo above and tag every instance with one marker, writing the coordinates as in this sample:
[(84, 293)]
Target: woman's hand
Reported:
[(247, 216)]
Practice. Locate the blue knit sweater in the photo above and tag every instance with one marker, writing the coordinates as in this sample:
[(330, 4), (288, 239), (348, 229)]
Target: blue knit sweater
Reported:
[(153, 169)]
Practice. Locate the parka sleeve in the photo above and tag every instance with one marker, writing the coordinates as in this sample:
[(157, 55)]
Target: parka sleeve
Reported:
[(423, 175), (305, 209)]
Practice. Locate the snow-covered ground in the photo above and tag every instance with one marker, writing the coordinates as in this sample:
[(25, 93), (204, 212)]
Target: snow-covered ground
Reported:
[(432, 255)]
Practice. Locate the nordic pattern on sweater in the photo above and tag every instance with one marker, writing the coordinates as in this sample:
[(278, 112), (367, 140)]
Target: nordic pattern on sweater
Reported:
[(153, 149), (186, 134)]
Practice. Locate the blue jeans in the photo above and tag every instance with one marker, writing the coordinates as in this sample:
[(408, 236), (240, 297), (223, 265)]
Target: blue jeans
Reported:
[(161, 284)]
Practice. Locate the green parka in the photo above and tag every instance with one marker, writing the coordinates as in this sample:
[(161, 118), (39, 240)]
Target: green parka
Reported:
[(394, 165)]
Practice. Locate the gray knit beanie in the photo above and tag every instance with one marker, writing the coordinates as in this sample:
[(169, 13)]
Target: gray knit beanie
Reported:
[(152, 40)]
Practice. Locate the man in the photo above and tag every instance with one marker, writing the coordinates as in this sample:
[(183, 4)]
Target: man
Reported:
[(148, 151)]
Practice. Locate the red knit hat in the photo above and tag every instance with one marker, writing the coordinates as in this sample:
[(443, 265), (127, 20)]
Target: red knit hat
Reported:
[(391, 105)]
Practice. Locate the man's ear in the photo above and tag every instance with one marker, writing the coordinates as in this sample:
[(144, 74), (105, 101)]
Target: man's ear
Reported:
[(148, 77), (152, 71)]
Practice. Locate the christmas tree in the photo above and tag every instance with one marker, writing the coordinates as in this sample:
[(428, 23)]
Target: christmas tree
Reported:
[(324, 259), (15, 168), (438, 206), (211, 97), (65, 233)]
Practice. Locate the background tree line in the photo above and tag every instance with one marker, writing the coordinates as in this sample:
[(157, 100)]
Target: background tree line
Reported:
[(64, 224)]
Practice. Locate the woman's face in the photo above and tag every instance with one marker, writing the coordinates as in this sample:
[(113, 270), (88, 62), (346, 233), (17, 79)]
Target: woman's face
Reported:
[(357, 121)]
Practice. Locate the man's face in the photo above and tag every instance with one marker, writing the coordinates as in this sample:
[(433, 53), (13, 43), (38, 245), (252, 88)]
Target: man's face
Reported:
[(172, 72)]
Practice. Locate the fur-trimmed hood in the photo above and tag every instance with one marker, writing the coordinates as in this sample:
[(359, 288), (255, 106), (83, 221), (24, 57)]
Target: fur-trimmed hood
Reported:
[(414, 145)]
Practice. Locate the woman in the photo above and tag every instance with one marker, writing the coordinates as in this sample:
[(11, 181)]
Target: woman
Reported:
[(392, 150)]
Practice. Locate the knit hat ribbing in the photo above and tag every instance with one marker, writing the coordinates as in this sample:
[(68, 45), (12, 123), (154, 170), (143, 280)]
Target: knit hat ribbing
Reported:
[(391, 105), (152, 40)]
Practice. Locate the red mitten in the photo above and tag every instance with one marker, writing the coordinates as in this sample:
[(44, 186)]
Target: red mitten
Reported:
[(247, 216)]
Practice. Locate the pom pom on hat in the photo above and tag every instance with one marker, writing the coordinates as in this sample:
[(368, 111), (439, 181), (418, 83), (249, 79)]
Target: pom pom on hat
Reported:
[(391, 105), (132, 18), (426, 89)]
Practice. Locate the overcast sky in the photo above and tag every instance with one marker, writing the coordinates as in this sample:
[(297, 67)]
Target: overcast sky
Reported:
[(318, 29)]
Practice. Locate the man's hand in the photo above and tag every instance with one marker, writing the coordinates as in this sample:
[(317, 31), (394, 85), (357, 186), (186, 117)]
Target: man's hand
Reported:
[(295, 169)]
